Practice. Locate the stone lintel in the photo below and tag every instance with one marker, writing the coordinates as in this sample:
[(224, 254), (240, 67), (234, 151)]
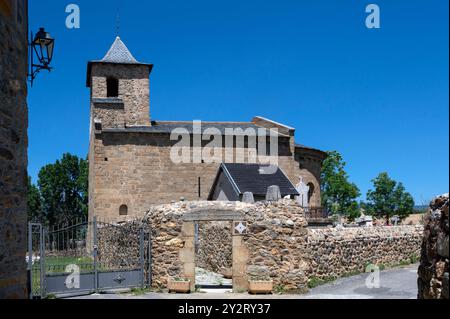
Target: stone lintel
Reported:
[(213, 215)]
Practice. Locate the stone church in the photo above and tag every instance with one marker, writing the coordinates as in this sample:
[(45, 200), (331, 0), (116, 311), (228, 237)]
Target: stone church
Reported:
[(130, 162)]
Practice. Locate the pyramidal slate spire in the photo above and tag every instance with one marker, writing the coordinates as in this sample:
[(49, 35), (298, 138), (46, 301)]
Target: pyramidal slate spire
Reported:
[(119, 53)]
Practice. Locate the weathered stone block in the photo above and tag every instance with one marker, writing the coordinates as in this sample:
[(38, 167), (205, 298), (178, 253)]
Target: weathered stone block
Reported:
[(442, 245), (188, 229), (187, 255), (248, 198), (273, 193)]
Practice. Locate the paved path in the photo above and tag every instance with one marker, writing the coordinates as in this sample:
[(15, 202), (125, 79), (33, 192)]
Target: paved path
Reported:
[(399, 283)]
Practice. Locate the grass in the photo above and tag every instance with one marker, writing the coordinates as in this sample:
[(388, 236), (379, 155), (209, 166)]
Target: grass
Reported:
[(58, 264), (141, 291), (279, 289), (314, 282), (414, 259)]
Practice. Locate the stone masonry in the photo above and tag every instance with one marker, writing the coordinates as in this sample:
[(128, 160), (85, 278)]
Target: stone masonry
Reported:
[(276, 245), (13, 147), (214, 247), (433, 270), (269, 249), (332, 253)]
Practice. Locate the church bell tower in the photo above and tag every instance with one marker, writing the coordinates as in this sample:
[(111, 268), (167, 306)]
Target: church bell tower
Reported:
[(120, 89)]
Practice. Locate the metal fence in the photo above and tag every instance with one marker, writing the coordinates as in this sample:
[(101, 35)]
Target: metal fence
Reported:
[(316, 213), (83, 257)]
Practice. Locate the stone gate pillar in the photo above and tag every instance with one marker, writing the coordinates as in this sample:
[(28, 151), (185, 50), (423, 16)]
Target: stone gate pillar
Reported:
[(240, 257), (187, 253)]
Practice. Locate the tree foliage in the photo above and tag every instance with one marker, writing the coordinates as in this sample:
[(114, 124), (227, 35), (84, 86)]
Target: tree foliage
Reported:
[(338, 193), (34, 203), (63, 191), (389, 198)]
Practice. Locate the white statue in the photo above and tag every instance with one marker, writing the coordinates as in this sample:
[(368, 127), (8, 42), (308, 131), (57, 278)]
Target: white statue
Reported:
[(303, 190)]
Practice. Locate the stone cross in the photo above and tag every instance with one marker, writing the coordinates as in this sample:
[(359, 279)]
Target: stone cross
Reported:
[(303, 190)]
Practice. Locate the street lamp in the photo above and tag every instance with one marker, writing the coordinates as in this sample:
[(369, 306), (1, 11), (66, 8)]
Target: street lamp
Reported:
[(41, 45)]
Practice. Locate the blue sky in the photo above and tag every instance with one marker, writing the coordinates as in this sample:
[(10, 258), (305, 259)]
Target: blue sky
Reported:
[(380, 97)]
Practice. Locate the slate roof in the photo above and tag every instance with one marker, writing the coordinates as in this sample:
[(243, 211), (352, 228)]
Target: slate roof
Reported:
[(250, 178), (119, 53), (161, 127)]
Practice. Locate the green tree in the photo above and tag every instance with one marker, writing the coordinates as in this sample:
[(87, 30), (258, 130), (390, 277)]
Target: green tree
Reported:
[(64, 189), (389, 198), (34, 203), (338, 194)]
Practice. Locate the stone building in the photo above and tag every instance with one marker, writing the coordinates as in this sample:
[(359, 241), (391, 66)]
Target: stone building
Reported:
[(131, 154), (13, 147)]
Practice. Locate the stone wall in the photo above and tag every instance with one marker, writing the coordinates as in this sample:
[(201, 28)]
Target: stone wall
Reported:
[(277, 245), (433, 270), (118, 245), (270, 249), (214, 246), (134, 86), (276, 240), (13, 147), (337, 252)]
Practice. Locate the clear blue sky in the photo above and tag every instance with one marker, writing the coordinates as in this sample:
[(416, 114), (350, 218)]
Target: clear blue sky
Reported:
[(380, 97)]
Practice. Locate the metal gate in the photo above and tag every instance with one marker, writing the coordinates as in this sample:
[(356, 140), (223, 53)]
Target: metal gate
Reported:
[(84, 257)]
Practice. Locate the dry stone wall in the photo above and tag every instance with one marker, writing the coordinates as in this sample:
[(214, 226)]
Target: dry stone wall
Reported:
[(277, 245), (277, 235), (275, 231), (336, 252), (118, 245), (214, 252), (433, 270)]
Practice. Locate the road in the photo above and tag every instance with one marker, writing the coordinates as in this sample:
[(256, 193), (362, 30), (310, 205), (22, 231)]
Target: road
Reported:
[(398, 283)]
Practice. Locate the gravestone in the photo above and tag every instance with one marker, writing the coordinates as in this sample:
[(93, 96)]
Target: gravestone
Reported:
[(273, 194), (248, 198)]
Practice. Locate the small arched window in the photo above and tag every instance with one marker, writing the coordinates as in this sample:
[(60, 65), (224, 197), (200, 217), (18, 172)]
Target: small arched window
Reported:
[(112, 87), (123, 210)]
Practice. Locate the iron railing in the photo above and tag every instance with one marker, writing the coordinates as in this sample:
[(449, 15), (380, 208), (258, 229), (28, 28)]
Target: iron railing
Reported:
[(316, 213), (101, 256)]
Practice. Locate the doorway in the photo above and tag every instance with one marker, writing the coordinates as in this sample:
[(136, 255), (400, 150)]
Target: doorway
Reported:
[(213, 256)]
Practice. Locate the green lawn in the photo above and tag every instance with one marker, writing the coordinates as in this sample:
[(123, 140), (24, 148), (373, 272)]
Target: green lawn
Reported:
[(56, 265)]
